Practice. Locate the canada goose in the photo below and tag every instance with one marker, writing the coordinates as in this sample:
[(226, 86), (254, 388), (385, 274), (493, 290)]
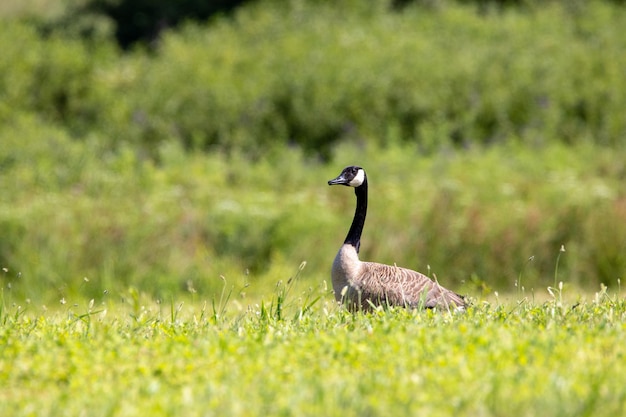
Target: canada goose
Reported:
[(362, 285)]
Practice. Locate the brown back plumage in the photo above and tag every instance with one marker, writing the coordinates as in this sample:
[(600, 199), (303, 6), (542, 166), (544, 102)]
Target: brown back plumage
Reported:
[(361, 285), (404, 287)]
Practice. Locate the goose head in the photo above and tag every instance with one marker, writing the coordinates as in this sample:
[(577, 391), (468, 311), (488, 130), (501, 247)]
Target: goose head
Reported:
[(352, 176)]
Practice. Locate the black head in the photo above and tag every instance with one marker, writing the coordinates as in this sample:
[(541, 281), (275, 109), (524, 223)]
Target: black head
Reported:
[(352, 176)]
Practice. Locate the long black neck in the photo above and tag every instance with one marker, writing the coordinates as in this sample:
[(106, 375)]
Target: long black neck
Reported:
[(354, 234)]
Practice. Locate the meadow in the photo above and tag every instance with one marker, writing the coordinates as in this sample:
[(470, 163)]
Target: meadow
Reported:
[(289, 357), (166, 229)]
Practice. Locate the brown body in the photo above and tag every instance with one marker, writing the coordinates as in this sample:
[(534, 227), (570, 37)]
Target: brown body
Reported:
[(361, 285)]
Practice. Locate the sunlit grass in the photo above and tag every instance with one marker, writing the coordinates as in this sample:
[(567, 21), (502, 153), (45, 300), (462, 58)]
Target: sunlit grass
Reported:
[(146, 271), (288, 356)]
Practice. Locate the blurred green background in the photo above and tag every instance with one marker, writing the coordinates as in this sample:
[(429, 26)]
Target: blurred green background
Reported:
[(177, 147)]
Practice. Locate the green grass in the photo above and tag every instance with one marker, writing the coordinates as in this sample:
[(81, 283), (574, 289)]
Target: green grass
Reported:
[(501, 358), (489, 138), (473, 217), (153, 217)]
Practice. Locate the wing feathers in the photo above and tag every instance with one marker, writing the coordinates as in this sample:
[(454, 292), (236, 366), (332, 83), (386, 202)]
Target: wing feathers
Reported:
[(380, 283)]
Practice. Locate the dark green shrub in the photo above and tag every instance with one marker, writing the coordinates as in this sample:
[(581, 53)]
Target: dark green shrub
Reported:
[(145, 20), (53, 77), (420, 77), (253, 83)]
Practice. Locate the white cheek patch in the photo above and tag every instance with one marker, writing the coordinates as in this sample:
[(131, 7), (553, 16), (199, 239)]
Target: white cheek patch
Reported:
[(358, 179)]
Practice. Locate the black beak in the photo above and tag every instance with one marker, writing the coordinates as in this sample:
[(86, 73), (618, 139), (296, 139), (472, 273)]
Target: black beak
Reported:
[(340, 180)]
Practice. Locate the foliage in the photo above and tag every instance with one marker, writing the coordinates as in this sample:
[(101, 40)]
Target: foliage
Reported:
[(427, 76), (52, 79), (423, 86), (121, 220), (171, 169), (145, 20), (514, 358)]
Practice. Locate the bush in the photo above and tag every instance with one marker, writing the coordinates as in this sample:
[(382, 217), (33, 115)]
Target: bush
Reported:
[(431, 77), (254, 84), (145, 20), (54, 78)]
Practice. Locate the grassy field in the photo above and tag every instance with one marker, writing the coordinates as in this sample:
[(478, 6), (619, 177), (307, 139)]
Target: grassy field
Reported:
[(288, 356), (156, 204)]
